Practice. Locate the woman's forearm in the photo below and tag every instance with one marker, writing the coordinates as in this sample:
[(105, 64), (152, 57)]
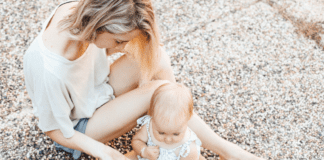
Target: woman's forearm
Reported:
[(79, 142)]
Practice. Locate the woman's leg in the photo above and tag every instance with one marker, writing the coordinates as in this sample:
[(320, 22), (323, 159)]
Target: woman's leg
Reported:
[(124, 75), (119, 115), (213, 142)]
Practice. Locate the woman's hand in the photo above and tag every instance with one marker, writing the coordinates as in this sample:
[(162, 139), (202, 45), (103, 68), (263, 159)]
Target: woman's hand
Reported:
[(108, 153), (151, 152)]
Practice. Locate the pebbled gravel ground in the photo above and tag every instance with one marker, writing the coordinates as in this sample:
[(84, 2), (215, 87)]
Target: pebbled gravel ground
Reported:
[(254, 80), (312, 10)]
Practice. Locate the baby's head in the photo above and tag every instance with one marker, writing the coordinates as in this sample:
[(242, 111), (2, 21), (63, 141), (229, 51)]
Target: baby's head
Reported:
[(171, 108)]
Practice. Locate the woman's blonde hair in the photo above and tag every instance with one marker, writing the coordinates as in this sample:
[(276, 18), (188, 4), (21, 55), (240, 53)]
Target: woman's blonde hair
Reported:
[(171, 101), (92, 17)]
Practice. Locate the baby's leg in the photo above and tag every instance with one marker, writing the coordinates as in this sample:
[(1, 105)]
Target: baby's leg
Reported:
[(131, 155)]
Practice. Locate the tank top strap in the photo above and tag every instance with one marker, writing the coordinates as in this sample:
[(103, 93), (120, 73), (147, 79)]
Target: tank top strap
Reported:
[(148, 131), (146, 120), (185, 148), (52, 14), (143, 120)]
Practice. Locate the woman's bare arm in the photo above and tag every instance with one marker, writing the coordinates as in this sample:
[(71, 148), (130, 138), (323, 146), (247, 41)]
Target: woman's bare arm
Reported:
[(85, 144), (165, 71)]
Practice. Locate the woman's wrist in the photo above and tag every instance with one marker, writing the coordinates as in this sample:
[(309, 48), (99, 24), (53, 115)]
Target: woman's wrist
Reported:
[(98, 150)]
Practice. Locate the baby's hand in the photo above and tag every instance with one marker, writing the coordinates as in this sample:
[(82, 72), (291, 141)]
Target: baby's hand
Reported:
[(151, 152)]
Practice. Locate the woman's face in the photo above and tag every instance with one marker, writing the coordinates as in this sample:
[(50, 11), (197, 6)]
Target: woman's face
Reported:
[(115, 42)]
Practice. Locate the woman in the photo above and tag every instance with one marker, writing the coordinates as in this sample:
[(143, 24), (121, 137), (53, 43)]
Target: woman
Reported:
[(73, 87)]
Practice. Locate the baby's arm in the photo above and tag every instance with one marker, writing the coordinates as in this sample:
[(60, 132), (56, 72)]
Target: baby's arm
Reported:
[(139, 142), (194, 154)]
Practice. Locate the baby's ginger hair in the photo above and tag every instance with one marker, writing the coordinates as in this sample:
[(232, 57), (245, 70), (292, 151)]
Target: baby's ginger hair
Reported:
[(171, 101)]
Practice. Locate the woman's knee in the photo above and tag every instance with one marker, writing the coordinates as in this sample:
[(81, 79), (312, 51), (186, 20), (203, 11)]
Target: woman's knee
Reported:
[(153, 85), (124, 75)]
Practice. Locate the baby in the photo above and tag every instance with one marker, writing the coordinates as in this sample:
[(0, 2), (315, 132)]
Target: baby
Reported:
[(165, 134)]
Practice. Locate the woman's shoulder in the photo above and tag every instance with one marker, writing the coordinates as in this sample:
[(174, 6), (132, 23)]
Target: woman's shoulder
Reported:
[(48, 30), (61, 12), (53, 38)]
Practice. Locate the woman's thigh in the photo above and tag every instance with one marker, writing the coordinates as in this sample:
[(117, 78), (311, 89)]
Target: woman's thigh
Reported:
[(119, 115), (124, 75)]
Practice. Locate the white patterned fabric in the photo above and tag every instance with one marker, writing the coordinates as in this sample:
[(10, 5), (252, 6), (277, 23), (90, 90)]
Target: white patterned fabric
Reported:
[(168, 154)]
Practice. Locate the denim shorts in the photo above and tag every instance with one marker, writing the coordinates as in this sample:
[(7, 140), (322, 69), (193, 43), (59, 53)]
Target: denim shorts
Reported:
[(81, 127)]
